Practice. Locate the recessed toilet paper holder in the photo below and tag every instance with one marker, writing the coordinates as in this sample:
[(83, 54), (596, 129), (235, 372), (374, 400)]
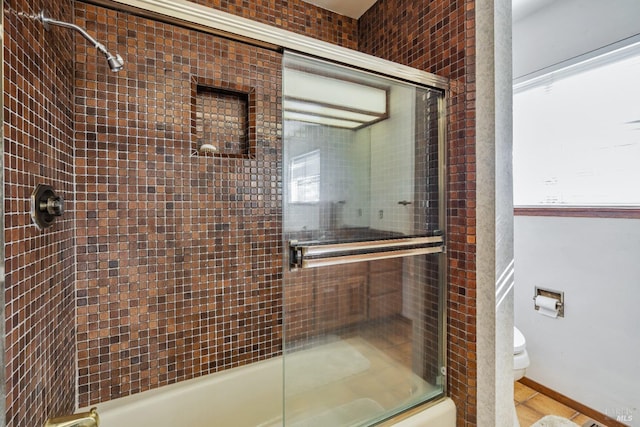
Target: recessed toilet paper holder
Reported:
[(550, 293)]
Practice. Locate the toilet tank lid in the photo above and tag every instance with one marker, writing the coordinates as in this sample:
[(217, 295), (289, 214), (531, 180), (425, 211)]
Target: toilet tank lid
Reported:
[(519, 343)]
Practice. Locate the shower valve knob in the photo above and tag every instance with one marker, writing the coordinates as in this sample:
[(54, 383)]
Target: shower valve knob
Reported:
[(46, 205), (54, 205)]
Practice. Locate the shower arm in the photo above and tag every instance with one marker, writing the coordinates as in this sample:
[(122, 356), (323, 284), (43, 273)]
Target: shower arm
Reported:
[(46, 21), (115, 62)]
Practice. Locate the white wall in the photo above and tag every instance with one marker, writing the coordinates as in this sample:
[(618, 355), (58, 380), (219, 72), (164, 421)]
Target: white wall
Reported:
[(593, 354), (569, 28)]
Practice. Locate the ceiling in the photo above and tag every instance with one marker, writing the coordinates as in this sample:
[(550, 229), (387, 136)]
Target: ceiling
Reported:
[(522, 8), (355, 8), (350, 8)]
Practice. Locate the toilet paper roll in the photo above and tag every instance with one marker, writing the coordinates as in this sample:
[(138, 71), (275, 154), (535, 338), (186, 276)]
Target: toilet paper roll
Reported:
[(547, 306)]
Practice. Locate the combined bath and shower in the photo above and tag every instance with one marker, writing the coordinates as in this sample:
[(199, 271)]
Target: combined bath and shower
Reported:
[(115, 61)]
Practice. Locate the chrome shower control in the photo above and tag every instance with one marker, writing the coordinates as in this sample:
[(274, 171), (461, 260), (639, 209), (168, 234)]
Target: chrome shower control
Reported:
[(46, 205), (54, 206)]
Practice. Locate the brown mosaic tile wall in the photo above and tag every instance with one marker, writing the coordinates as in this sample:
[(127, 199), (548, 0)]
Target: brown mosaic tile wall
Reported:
[(40, 267), (438, 36), (296, 16), (175, 253), (179, 254)]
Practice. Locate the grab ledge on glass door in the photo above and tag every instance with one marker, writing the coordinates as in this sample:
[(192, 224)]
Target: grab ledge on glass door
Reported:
[(313, 254)]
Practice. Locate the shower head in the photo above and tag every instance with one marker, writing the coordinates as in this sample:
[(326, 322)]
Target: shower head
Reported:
[(115, 62)]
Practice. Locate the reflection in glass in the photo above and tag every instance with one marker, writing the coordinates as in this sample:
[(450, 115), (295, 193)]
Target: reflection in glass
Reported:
[(362, 341), (305, 178)]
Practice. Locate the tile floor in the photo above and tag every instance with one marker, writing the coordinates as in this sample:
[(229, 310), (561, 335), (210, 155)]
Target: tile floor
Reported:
[(532, 405)]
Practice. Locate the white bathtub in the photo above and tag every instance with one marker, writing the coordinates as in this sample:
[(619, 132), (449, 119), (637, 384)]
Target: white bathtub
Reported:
[(249, 396)]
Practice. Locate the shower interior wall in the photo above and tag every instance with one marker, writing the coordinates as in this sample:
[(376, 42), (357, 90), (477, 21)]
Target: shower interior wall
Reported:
[(175, 253), (39, 265), (179, 253)]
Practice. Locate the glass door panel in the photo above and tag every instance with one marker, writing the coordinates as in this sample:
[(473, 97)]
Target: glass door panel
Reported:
[(362, 220)]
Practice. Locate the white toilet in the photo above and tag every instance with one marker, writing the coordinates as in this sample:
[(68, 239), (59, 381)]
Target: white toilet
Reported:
[(520, 355)]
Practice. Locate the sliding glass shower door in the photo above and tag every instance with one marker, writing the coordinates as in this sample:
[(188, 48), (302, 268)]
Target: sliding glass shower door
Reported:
[(363, 226)]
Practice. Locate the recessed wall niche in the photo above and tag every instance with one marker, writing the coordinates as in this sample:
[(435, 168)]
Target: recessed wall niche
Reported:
[(223, 116)]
